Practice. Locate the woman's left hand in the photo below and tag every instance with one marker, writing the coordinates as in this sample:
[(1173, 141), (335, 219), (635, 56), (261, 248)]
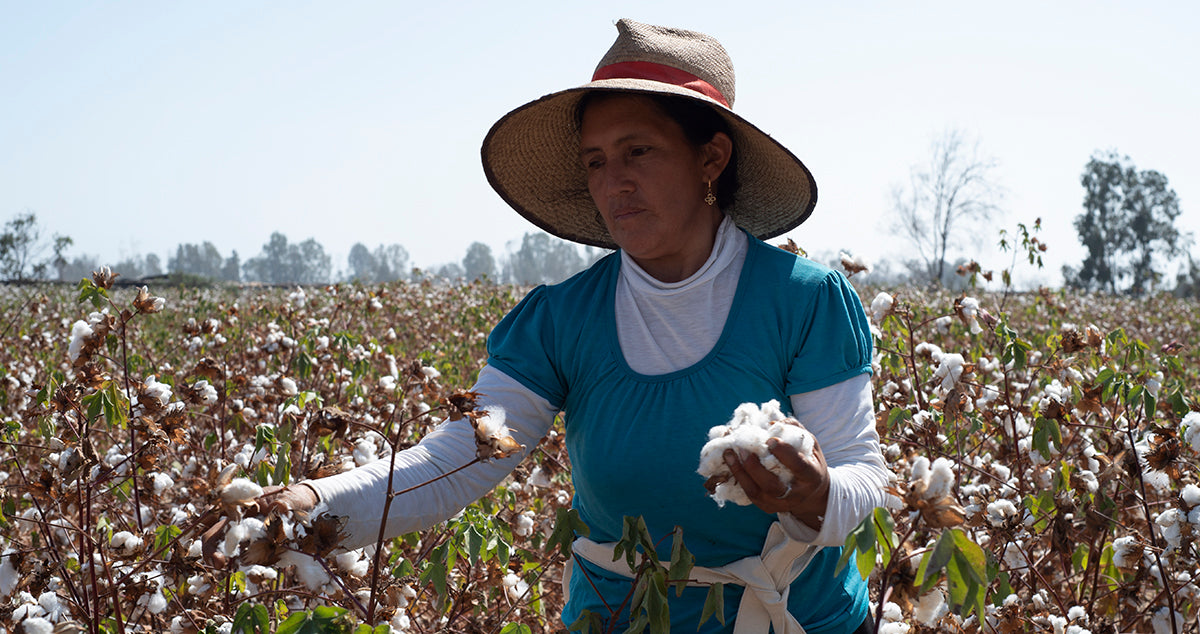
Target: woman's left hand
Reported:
[(808, 495)]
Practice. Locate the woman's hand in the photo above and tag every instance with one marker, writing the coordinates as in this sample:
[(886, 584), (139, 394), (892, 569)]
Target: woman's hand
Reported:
[(294, 497), (808, 495)]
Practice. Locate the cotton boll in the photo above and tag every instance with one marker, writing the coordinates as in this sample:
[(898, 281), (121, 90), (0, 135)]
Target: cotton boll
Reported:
[(515, 586), (240, 491), (160, 482), (51, 605), (999, 512), (126, 543), (881, 306), (36, 625), (197, 584), (1191, 430), (155, 601), (930, 607), (1162, 622), (364, 452), (1077, 613), (523, 524), (249, 529), (8, 572), (941, 479), (950, 369), (1190, 495), (353, 562), (308, 570), (747, 433), (1126, 552), (538, 477)]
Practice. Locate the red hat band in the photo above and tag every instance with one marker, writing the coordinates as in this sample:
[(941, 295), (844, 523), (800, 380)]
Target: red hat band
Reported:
[(660, 73)]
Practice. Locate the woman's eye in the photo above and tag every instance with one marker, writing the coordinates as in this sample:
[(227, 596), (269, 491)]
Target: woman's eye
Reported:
[(638, 150), (592, 164)]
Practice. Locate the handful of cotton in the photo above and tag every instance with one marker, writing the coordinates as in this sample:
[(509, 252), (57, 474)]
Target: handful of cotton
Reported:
[(747, 432)]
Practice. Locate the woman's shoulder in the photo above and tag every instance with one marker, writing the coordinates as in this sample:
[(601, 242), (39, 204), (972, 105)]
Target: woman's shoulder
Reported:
[(785, 267), (579, 290)]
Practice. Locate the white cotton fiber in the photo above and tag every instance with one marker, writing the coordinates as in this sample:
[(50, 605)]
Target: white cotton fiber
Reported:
[(240, 491), (747, 433), (308, 570)]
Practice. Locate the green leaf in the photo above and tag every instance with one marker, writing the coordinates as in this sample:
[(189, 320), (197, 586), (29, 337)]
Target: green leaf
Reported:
[(682, 562), (516, 628), (163, 536), (566, 526), (252, 618), (1042, 508), (403, 569), (474, 543), (934, 560), (293, 623), (435, 573), (853, 540), (1079, 559), (885, 533), (660, 611), (1045, 430), (587, 623), (714, 603), (966, 575)]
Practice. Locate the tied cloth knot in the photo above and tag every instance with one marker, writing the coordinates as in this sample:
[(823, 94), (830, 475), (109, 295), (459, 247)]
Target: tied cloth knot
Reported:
[(767, 578)]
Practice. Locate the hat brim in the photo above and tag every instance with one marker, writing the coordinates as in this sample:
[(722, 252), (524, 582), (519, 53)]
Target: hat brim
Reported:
[(531, 158)]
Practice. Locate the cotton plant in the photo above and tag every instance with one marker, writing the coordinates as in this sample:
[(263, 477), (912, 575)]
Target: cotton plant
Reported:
[(747, 433)]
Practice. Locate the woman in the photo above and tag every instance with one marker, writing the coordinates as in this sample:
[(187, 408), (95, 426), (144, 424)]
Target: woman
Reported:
[(653, 345)]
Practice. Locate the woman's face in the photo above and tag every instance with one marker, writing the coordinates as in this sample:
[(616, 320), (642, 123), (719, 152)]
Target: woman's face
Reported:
[(649, 183)]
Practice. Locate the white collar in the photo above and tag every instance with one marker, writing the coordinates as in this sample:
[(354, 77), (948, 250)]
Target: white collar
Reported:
[(726, 246)]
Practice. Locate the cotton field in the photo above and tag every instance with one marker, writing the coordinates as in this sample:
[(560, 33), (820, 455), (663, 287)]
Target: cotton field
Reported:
[(1044, 447)]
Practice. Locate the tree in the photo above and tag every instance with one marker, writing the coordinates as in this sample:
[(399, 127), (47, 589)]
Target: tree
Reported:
[(78, 268), (22, 248), (137, 266), (943, 200), (283, 263), (1127, 227), (543, 259), (478, 262), (384, 264), (197, 259), (231, 270), (393, 263), (362, 263)]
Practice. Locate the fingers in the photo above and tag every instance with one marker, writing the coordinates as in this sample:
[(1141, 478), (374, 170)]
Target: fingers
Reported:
[(807, 493), (803, 469)]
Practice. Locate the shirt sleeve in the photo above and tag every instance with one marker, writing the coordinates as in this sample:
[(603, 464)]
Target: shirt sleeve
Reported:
[(522, 346), (842, 419), (834, 342), (359, 494)]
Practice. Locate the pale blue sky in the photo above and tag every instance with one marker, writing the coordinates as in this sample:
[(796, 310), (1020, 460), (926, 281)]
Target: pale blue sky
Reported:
[(134, 126)]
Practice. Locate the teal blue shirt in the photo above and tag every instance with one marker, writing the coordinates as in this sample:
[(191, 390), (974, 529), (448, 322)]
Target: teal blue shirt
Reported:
[(634, 440)]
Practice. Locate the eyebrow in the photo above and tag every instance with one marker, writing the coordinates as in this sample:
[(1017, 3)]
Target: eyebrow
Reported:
[(624, 139)]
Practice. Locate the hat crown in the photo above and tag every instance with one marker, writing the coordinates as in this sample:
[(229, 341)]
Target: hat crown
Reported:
[(690, 51)]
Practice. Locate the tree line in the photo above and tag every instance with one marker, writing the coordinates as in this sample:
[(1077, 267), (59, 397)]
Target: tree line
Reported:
[(1127, 226), (538, 258)]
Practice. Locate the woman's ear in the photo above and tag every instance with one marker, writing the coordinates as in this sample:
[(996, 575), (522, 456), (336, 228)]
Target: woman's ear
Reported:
[(716, 154)]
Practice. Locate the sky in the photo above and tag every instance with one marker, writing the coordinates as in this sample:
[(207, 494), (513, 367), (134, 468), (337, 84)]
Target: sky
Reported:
[(135, 126)]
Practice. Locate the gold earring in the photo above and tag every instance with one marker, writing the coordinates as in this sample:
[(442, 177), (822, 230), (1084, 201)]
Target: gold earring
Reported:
[(710, 199)]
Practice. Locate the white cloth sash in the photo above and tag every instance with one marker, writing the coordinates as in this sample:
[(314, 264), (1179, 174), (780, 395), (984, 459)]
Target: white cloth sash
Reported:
[(767, 578)]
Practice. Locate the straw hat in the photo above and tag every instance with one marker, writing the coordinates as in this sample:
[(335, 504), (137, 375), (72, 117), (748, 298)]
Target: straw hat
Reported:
[(531, 155)]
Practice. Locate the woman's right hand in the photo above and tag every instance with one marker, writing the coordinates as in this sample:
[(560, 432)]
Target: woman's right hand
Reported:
[(294, 497)]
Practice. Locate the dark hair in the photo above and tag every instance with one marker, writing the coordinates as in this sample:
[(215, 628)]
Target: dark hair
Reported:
[(700, 123)]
